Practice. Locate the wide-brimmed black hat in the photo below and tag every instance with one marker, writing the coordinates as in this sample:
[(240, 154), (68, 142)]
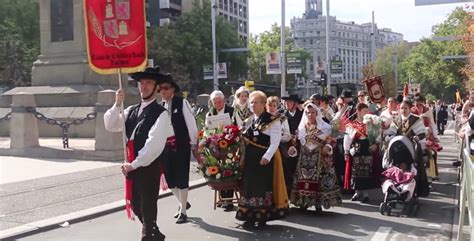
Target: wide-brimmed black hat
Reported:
[(346, 93), (315, 96), (152, 73), (155, 74), (293, 97)]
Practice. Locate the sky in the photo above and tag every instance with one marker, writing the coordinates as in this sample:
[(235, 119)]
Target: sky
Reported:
[(402, 16)]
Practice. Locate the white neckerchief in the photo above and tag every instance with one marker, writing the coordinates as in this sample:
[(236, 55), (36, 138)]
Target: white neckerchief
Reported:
[(144, 104)]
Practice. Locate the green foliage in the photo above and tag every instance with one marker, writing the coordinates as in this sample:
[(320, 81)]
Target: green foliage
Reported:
[(184, 47), (19, 41), (264, 43), (384, 64), (424, 65)]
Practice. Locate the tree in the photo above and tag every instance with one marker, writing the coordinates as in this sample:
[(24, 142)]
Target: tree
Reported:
[(384, 65), (184, 47), (267, 42), (19, 41), (425, 65)]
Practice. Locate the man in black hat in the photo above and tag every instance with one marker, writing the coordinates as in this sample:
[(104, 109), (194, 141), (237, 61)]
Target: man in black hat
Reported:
[(185, 129), (293, 115), (147, 127)]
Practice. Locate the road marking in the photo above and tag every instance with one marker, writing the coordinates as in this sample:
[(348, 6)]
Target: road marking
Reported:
[(381, 234)]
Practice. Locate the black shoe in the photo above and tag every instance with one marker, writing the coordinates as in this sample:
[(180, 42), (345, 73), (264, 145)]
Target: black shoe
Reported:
[(457, 163), (365, 200), (248, 224), (182, 219), (229, 207), (188, 206), (319, 211), (355, 198), (158, 236), (262, 224)]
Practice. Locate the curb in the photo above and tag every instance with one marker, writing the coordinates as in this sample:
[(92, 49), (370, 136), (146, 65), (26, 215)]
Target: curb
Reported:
[(79, 216)]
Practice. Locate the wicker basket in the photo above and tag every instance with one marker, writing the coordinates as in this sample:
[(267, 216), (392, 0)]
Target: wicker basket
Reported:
[(223, 185)]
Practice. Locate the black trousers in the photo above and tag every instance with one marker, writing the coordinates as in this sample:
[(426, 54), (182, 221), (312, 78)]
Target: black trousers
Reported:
[(145, 193), (441, 125), (177, 167)]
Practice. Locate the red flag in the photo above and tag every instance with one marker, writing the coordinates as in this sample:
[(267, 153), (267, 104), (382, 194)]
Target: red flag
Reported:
[(405, 90), (116, 35)]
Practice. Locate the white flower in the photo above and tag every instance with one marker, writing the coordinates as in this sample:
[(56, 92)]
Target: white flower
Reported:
[(228, 137), (228, 161), (237, 139), (230, 155), (236, 172), (207, 173), (218, 175)]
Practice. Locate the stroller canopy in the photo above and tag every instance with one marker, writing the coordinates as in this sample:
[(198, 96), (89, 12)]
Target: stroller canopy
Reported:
[(400, 149)]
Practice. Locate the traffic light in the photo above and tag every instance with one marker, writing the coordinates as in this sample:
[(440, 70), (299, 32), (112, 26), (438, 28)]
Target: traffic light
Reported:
[(249, 85), (324, 77)]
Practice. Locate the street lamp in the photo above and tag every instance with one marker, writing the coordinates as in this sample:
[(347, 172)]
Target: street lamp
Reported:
[(214, 51)]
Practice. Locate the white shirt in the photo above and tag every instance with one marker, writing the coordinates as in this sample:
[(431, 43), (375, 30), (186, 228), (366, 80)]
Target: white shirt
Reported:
[(275, 133), (286, 134), (156, 141), (188, 118)]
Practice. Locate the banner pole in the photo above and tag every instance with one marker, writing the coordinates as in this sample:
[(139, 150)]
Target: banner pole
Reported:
[(122, 120)]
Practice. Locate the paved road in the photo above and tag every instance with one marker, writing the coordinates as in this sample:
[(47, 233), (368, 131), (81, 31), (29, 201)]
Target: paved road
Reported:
[(353, 221), (51, 195)]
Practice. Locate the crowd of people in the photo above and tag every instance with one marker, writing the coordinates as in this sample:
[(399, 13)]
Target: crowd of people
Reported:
[(300, 153)]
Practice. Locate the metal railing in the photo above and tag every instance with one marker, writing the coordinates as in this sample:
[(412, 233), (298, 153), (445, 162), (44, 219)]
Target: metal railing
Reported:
[(466, 196)]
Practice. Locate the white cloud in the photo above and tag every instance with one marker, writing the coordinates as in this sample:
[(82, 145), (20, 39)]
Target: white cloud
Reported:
[(400, 15)]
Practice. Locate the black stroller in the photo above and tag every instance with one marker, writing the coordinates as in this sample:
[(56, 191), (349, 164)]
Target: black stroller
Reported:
[(404, 163)]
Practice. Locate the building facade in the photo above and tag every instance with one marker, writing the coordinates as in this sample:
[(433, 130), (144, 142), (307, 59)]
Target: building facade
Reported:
[(234, 11), (353, 44)]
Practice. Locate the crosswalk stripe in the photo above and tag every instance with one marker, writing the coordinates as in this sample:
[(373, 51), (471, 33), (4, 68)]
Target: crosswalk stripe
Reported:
[(381, 234)]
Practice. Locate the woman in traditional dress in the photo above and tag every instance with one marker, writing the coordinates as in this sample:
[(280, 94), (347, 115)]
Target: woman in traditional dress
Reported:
[(263, 193), (410, 125), (359, 174), (272, 107), (315, 181), (241, 105)]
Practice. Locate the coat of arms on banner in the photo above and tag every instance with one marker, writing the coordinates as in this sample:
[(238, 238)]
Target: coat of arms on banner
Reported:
[(112, 24), (375, 89), (116, 35)]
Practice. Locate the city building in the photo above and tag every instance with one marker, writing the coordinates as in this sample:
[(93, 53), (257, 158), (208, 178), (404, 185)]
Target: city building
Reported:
[(234, 11), (353, 44)]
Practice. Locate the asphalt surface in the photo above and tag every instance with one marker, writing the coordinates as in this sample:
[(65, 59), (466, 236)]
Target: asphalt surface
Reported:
[(352, 221), (33, 200)]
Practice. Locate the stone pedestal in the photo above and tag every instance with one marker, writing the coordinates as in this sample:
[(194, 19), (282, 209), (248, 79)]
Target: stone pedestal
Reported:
[(105, 140), (23, 125)]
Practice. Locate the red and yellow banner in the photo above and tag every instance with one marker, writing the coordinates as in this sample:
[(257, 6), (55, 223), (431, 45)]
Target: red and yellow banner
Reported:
[(116, 35)]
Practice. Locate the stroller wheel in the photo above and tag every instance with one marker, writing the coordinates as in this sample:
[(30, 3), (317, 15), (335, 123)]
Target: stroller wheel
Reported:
[(385, 209)]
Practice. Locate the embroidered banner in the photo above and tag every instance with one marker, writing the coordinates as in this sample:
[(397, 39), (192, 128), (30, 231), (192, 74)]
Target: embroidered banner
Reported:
[(116, 35), (375, 89)]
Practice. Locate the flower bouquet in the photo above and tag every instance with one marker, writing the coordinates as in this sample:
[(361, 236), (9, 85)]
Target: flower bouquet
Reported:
[(220, 157), (374, 125)]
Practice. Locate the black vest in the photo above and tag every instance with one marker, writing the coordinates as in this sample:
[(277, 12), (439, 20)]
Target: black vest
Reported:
[(294, 121), (262, 122), (142, 125), (179, 123), (227, 109)]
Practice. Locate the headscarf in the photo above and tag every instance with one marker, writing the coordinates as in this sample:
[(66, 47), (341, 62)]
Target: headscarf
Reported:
[(237, 93), (321, 125)]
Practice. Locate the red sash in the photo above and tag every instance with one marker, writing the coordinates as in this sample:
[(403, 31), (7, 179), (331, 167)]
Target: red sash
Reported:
[(129, 182)]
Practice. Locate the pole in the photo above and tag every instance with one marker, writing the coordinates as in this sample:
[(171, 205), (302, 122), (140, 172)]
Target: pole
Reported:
[(328, 61), (214, 51), (396, 73), (372, 41), (307, 88), (122, 120), (282, 47)]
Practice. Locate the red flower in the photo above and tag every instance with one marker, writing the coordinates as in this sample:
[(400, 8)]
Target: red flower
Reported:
[(227, 173)]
